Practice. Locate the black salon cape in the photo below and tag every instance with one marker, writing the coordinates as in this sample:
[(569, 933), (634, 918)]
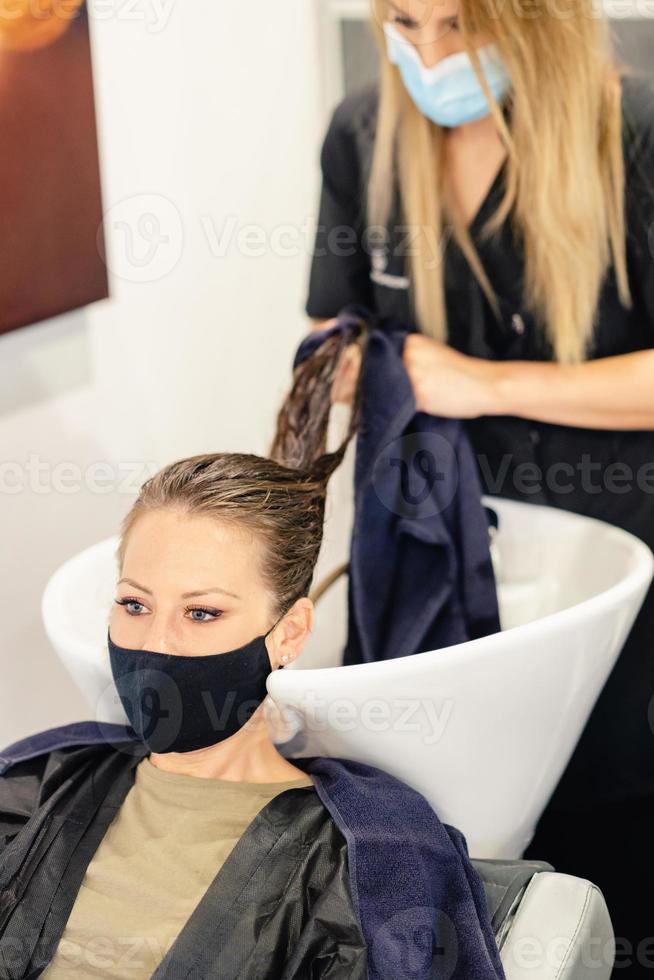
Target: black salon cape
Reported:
[(420, 571), (356, 880)]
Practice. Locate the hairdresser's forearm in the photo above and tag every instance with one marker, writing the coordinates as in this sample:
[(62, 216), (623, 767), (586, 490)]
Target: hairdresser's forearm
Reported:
[(606, 393)]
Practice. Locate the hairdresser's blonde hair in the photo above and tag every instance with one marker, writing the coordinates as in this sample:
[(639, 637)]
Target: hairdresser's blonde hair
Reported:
[(564, 173)]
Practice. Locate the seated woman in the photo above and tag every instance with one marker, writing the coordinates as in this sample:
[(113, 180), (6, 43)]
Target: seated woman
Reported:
[(185, 845)]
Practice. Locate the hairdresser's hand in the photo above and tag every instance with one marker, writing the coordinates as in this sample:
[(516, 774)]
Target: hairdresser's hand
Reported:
[(347, 375), (347, 372), (448, 383)]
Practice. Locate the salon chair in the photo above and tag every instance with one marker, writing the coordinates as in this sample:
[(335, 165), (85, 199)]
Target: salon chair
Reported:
[(509, 707)]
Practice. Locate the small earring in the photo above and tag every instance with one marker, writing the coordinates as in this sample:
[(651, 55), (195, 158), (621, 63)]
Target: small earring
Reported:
[(284, 658)]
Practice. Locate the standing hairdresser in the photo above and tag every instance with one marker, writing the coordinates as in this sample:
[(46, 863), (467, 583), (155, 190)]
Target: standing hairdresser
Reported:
[(496, 187)]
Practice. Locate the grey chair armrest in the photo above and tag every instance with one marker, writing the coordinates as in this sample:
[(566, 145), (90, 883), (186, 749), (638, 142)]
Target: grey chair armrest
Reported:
[(548, 926), (561, 931), (505, 883)]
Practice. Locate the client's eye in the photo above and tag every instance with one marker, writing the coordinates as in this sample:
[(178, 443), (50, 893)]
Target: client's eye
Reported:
[(201, 612), (132, 606)]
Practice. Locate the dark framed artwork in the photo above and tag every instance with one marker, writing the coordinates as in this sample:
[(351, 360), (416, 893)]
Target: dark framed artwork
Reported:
[(50, 195)]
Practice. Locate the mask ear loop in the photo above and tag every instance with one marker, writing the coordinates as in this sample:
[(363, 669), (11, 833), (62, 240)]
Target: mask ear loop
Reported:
[(281, 666)]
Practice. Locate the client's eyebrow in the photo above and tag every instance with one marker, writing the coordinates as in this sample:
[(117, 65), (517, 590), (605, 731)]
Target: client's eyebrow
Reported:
[(185, 595), (216, 588)]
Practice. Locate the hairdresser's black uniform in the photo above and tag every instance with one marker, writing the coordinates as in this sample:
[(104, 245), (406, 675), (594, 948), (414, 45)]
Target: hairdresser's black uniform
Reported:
[(600, 822)]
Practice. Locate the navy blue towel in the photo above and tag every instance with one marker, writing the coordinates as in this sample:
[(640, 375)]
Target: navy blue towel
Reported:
[(420, 901), (421, 576)]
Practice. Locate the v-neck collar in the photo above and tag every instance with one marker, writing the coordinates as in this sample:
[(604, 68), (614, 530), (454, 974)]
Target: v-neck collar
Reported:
[(487, 204), (484, 210), (271, 829)]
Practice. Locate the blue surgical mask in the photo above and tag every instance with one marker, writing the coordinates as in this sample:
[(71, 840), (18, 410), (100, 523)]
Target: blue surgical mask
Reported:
[(449, 93)]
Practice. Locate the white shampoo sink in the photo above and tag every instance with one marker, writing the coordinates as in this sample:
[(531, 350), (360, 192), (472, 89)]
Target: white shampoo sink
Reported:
[(483, 729)]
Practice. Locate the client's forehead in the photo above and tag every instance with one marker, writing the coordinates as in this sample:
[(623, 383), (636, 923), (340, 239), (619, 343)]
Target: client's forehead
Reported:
[(193, 552)]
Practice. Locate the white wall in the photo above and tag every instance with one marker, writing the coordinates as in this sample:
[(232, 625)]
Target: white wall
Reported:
[(54, 500), (221, 131), (44, 360), (210, 112)]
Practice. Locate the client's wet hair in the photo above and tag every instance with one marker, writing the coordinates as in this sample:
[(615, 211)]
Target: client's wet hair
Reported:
[(280, 498)]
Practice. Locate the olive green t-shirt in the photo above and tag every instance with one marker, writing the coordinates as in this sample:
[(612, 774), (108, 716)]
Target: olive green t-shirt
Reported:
[(159, 855)]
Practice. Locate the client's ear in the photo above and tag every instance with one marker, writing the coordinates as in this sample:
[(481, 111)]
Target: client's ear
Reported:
[(291, 633)]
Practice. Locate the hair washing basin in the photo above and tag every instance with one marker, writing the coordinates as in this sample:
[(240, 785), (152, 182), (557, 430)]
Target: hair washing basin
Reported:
[(483, 729)]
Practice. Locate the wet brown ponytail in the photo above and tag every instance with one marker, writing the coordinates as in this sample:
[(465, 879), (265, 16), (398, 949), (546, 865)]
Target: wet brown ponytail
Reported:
[(281, 499), (302, 423)]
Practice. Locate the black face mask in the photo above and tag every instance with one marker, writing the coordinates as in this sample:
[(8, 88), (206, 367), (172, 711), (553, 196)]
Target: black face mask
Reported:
[(179, 704)]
